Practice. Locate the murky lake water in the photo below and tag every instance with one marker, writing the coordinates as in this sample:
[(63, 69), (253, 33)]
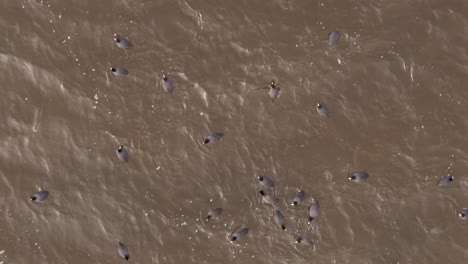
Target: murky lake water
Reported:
[(394, 85)]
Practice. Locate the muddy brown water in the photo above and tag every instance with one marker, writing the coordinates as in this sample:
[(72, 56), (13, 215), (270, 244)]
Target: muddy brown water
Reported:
[(395, 86)]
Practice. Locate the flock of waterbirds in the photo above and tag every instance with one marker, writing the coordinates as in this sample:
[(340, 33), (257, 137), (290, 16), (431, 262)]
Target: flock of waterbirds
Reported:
[(264, 181)]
